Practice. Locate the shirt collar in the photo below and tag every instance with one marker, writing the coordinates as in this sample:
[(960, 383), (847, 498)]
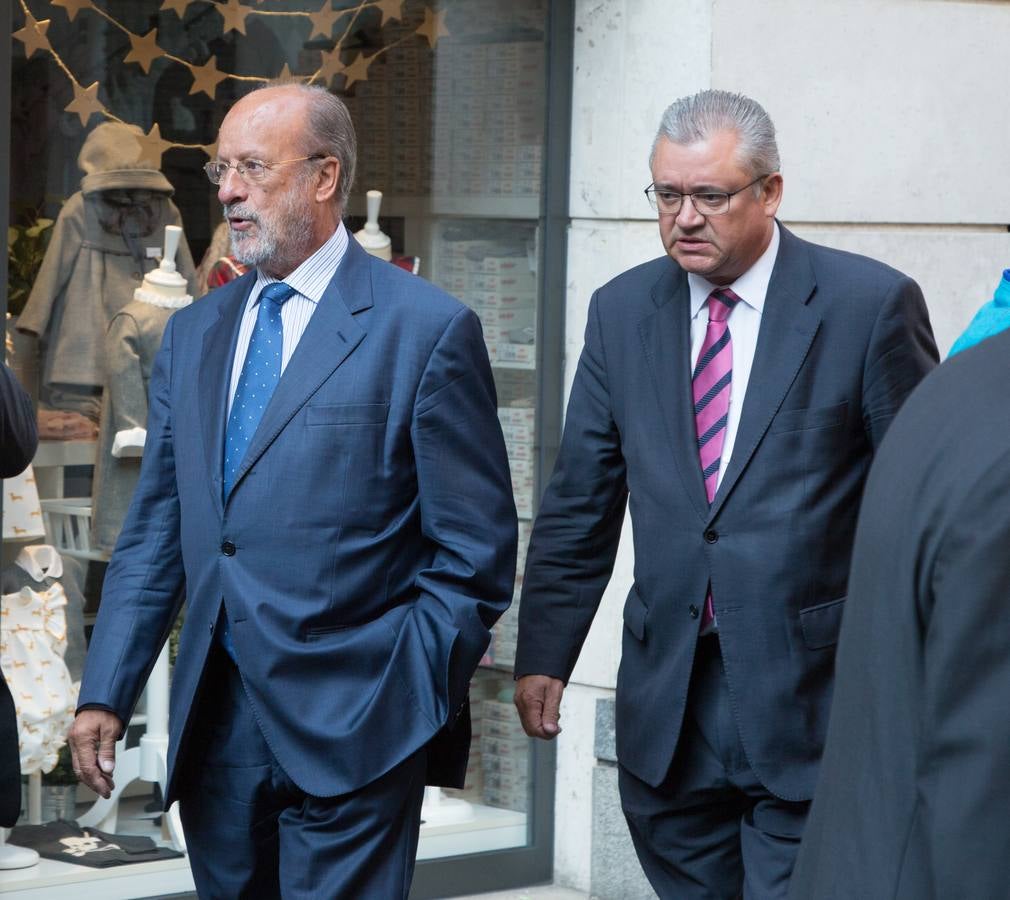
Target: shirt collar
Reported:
[(311, 278), (751, 287)]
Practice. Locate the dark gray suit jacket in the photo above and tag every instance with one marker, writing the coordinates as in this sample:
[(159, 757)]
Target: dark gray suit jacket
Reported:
[(843, 341), (913, 801)]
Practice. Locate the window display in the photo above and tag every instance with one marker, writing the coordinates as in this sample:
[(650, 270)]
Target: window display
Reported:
[(116, 108)]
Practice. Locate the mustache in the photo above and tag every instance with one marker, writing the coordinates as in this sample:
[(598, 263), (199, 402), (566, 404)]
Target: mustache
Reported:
[(238, 211)]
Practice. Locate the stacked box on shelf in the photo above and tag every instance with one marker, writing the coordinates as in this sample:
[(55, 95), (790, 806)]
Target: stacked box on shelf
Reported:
[(505, 634), (505, 757), (519, 427), (502, 288), (488, 120)]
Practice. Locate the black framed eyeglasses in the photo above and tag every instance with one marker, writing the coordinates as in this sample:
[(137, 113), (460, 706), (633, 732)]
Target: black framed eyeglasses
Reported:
[(706, 203), (250, 170)]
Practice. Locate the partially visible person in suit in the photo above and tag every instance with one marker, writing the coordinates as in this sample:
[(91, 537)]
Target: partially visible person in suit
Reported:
[(326, 476), (18, 441), (914, 787), (735, 390)]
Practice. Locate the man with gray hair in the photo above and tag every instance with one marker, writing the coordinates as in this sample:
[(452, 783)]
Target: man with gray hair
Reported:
[(326, 477), (732, 393)]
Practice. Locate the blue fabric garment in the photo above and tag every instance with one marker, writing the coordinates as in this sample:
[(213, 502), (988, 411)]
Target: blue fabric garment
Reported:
[(260, 373), (991, 319)]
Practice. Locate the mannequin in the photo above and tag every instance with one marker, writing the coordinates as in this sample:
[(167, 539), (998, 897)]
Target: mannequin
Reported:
[(132, 341), (99, 250), (371, 237)]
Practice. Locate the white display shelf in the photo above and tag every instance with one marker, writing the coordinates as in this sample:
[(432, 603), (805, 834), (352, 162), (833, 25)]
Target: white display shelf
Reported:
[(490, 828), (498, 207), (52, 880)]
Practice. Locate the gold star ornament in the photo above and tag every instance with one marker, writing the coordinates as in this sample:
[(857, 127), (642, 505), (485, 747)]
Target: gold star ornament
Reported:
[(206, 78), (433, 26), (85, 103), (152, 146), (324, 20), (234, 15), (357, 70), (73, 7), (330, 68), (390, 9), (33, 35), (179, 7), (144, 50)]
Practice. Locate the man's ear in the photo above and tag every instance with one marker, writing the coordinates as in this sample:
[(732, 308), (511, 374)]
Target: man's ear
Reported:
[(329, 180), (771, 193)]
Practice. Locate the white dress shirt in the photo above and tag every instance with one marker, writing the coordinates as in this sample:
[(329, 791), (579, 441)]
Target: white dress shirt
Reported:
[(309, 281), (744, 325)]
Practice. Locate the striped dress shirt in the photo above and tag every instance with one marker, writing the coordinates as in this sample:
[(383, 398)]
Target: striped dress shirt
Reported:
[(309, 281)]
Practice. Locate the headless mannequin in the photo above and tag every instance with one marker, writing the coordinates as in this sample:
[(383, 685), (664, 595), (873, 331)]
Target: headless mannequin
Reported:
[(131, 343)]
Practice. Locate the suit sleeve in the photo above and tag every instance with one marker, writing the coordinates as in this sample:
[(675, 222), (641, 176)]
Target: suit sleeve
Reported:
[(578, 527), (964, 771), (18, 431), (902, 351), (467, 510), (143, 585)]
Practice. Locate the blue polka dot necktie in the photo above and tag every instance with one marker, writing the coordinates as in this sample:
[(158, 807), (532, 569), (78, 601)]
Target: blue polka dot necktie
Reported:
[(260, 373)]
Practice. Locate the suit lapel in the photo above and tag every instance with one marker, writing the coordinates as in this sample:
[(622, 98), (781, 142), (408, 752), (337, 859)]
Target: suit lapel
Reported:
[(666, 336), (214, 378), (329, 338), (788, 326)]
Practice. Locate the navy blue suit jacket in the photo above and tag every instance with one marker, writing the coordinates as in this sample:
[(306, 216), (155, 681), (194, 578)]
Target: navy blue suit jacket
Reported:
[(367, 545), (843, 340)]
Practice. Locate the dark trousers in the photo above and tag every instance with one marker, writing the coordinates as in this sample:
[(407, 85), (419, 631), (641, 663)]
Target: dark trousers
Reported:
[(711, 829), (252, 833)]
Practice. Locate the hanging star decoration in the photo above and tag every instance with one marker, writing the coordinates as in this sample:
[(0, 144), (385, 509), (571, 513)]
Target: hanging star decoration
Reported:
[(206, 78), (144, 50), (286, 75), (331, 67), (433, 27), (324, 20), (234, 15), (390, 9), (73, 7), (33, 35), (357, 70), (85, 103), (153, 145), (179, 7)]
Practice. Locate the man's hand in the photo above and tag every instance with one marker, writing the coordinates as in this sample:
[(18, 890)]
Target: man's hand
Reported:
[(538, 699), (93, 746)]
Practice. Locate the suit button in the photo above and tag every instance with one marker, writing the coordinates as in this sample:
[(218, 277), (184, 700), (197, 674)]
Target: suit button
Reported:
[(693, 611), (711, 536), (228, 548)]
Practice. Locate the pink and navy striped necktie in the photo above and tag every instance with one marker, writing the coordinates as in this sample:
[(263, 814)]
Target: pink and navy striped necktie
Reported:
[(710, 386)]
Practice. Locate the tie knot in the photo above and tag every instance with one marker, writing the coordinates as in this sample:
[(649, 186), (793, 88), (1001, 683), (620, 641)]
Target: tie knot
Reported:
[(720, 304), (277, 292)]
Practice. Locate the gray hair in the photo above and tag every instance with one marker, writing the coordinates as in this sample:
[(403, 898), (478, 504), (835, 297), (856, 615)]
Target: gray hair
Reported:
[(696, 118), (330, 131)]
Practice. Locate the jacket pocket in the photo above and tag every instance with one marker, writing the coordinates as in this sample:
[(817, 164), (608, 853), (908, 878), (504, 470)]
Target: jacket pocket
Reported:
[(809, 419), (347, 414), (821, 623), (635, 614)]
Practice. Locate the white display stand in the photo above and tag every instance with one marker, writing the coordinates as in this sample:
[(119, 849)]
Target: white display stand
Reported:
[(437, 809), (12, 857), (146, 762)]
